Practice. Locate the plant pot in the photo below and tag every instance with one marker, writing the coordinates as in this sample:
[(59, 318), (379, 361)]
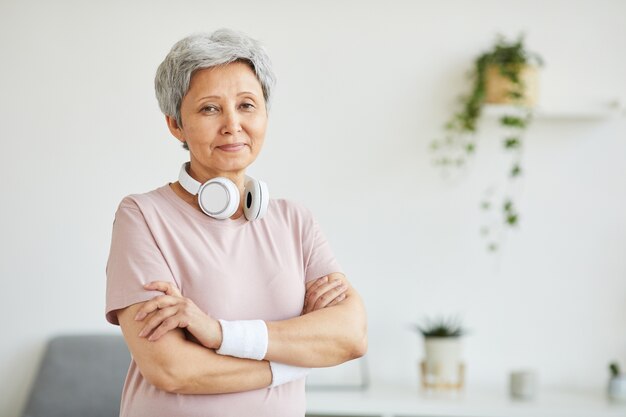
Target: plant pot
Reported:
[(617, 388), (497, 86), (443, 357)]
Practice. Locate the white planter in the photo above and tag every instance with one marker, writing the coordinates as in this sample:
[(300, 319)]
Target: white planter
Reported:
[(617, 388), (443, 357)]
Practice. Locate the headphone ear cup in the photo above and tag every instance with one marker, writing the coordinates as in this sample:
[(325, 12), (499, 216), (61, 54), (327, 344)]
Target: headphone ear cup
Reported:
[(256, 197), (219, 198), (265, 199)]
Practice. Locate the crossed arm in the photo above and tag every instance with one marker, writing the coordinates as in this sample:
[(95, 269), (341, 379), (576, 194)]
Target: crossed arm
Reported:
[(185, 362)]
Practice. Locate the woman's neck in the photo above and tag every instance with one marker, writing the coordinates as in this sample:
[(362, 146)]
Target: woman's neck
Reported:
[(202, 175)]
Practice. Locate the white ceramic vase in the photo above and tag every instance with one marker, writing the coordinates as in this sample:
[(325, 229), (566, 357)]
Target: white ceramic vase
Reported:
[(617, 388), (443, 357)]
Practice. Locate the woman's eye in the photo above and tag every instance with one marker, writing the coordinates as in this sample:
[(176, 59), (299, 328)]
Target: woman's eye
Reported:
[(247, 106), (209, 109)]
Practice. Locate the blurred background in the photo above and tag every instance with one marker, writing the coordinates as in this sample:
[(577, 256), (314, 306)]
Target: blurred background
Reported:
[(363, 89)]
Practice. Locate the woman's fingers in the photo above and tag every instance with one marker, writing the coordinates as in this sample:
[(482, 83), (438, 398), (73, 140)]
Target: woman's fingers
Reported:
[(316, 282), (321, 286), (321, 296), (172, 294), (337, 300), (326, 298), (315, 287), (168, 324), (165, 313), (156, 320), (165, 287), (156, 303)]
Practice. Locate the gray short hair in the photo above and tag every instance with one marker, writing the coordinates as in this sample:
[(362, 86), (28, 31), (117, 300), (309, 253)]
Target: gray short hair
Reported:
[(206, 50)]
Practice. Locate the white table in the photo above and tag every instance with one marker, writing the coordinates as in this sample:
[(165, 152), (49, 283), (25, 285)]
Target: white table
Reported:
[(405, 401)]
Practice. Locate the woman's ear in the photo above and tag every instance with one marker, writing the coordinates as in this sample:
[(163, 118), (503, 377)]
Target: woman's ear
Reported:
[(175, 129)]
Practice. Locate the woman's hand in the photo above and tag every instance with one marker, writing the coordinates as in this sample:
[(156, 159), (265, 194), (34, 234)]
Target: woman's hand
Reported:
[(171, 310), (322, 292)]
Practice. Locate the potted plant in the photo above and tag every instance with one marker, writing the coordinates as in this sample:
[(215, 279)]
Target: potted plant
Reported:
[(442, 366), (505, 74), (617, 384)]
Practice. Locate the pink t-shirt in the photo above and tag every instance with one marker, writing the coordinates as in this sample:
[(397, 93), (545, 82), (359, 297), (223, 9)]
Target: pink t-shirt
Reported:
[(231, 269)]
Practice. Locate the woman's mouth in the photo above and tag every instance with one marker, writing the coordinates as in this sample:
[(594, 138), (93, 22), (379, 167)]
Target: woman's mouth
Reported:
[(232, 147)]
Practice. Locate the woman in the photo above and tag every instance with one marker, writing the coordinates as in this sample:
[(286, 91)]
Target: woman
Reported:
[(221, 292)]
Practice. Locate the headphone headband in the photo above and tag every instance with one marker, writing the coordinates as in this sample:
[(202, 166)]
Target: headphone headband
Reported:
[(186, 181)]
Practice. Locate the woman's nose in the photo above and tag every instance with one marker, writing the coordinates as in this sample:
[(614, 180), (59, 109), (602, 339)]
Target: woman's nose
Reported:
[(232, 124)]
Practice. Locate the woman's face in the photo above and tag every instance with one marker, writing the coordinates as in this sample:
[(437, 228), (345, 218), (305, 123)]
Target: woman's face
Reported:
[(223, 120)]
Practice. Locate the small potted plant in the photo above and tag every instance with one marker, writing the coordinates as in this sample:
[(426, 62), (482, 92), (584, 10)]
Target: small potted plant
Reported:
[(510, 74), (507, 75), (442, 366), (617, 384)]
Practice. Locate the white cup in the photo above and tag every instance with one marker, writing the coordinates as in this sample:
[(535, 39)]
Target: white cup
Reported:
[(523, 384)]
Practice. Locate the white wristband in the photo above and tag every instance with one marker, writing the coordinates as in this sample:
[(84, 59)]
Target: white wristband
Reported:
[(244, 339), (282, 373)]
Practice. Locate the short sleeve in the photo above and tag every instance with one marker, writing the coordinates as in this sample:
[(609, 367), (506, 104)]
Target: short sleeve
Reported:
[(134, 260), (319, 258)]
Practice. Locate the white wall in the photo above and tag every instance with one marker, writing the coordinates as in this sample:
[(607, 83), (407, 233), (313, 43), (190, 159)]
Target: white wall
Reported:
[(363, 88)]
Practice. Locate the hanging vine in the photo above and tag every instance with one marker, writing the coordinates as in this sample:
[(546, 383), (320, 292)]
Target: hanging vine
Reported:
[(459, 143)]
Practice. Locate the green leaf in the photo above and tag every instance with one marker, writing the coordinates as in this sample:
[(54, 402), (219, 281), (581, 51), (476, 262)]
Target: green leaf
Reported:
[(511, 219), (512, 142), (516, 170), (513, 121), (441, 327), (614, 368)]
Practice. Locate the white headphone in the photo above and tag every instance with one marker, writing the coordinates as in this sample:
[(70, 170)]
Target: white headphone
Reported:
[(219, 197)]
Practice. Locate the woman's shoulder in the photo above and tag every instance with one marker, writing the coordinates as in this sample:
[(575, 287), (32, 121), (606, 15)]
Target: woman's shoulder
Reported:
[(290, 209), (143, 201)]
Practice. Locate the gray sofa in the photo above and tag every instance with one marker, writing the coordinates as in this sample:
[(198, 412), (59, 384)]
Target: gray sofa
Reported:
[(80, 376)]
